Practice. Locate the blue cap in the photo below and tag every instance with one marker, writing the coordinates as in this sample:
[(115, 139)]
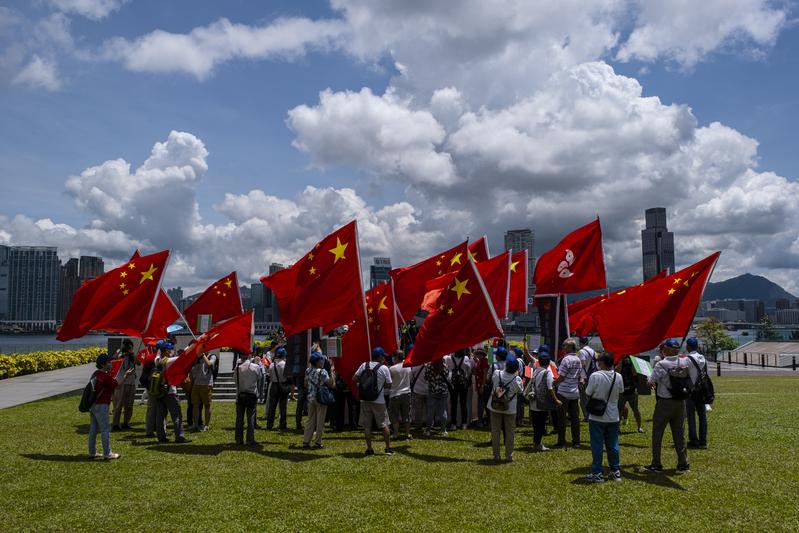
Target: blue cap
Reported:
[(316, 357), (500, 353), (583, 340), (543, 348), (511, 364), (159, 344), (692, 343), (102, 359), (167, 346), (672, 343), (280, 352), (543, 359), (518, 351), (378, 352)]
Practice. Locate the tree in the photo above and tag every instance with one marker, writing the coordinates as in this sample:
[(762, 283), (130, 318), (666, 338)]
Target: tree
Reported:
[(713, 335), (766, 330)]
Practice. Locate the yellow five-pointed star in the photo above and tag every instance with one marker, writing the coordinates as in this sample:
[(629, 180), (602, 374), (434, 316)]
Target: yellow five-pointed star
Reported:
[(671, 291), (438, 263), (131, 265), (382, 304), (450, 312), (455, 259), (148, 274), (460, 288), (121, 285), (125, 292), (686, 283), (513, 266), (338, 251), (123, 274), (621, 292), (228, 282), (310, 257), (677, 280), (312, 270), (471, 256)]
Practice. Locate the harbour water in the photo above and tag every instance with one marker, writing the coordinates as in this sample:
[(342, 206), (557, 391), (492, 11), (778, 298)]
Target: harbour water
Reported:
[(37, 343)]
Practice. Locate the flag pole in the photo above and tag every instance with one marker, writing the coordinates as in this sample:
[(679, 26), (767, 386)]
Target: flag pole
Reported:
[(707, 280)]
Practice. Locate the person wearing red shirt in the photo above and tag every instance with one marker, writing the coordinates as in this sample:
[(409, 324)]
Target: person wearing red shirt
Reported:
[(98, 414)]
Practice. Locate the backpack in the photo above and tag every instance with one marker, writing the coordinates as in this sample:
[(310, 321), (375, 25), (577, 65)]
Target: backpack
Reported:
[(416, 378), (704, 392), (324, 396), (158, 386), (543, 399), (680, 381), (459, 381), (500, 399), (147, 370), (89, 396), (368, 389)]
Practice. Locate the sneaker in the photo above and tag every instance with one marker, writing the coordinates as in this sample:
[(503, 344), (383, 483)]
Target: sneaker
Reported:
[(595, 478), (683, 468), (615, 475), (408, 437), (369, 451), (497, 459), (111, 456), (204, 428), (163, 441), (181, 440), (693, 444), (641, 430), (540, 448), (318, 446), (561, 446), (463, 427), (306, 446), (653, 468), (193, 429), (445, 434), (389, 451)]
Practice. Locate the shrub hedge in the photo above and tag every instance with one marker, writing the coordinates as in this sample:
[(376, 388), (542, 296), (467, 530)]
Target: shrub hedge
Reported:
[(30, 363)]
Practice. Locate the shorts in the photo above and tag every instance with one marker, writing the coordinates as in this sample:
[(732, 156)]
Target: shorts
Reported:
[(400, 408), (373, 411), (201, 394), (630, 398)]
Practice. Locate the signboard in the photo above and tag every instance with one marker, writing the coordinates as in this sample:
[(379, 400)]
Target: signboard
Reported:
[(204, 323), (332, 346)]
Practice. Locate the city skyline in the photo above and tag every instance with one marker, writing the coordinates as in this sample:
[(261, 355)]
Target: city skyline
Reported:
[(336, 110)]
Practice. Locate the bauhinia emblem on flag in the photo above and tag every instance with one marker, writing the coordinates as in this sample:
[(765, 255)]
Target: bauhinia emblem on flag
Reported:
[(410, 282), (463, 316), (382, 315), (322, 289), (576, 264), (519, 282), (121, 300), (664, 308), (478, 250), (221, 300)]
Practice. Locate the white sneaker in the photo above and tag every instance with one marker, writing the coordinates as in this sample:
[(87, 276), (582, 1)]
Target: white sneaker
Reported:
[(445, 434), (540, 448), (204, 428), (111, 456)]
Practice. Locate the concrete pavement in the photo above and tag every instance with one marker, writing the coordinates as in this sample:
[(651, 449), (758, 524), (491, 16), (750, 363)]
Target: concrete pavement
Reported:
[(24, 389)]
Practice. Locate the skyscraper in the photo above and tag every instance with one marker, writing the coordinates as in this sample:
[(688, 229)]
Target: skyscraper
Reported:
[(91, 267), (378, 272), (271, 312), (70, 283), (657, 243), (176, 295), (257, 296), (34, 281), (517, 240), (5, 289)]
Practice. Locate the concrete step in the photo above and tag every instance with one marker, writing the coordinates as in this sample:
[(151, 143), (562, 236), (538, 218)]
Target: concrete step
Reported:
[(224, 389)]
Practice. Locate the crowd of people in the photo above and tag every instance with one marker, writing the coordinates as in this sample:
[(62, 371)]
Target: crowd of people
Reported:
[(560, 390)]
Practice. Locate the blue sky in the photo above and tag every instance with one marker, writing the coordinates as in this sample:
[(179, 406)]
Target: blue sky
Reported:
[(436, 178)]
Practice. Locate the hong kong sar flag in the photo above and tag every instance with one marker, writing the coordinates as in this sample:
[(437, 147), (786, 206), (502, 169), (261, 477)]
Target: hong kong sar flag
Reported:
[(576, 264)]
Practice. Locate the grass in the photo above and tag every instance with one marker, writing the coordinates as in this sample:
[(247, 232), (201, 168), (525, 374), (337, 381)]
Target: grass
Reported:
[(747, 480)]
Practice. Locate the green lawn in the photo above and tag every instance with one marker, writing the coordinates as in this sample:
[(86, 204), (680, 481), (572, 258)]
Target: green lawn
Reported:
[(747, 480)]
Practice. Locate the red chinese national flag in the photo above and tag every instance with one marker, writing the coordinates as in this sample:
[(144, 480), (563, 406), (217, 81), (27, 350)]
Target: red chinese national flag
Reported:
[(664, 308), (519, 282), (221, 300), (164, 314), (235, 333), (581, 312), (576, 264), (464, 316), (495, 273), (355, 348), (120, 300), (410, 282), (478, 250), (382, 316), (323, 289)]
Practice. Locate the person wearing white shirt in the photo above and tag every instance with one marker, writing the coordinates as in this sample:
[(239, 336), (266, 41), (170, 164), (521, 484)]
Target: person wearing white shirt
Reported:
[(668, 410), (419, 396), (587, 357), (375, 410), (545, 400), (604, 385), (570, 379), (400, 395), (695, 407), (508, 384)]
